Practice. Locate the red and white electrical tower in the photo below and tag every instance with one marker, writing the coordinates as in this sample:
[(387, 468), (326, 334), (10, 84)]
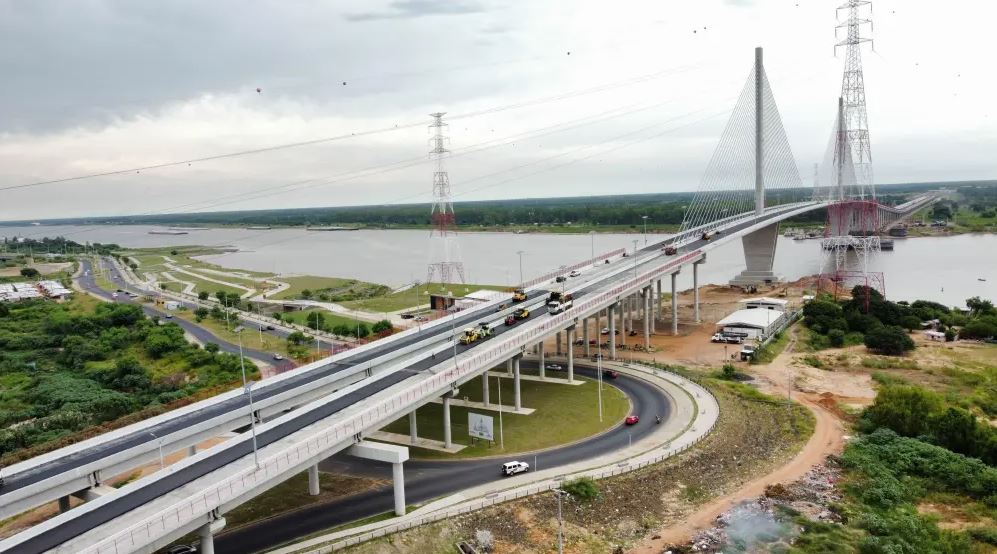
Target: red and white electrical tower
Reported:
[(444, 262)]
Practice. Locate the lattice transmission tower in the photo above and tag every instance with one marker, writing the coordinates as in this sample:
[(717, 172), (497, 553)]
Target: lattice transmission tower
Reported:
[(444, 262), (853, 93)]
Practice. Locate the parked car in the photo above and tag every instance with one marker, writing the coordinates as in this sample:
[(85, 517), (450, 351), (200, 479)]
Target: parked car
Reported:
[(610, 374), (270, 328), (747, 353), (632, 419), (554, 367), (575, 273), (512, 468), (422, 318), (169, 316), (407, 316)]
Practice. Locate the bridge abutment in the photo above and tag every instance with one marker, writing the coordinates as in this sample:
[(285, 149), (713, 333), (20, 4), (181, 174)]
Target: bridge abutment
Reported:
[(759, 256), (390, 453)]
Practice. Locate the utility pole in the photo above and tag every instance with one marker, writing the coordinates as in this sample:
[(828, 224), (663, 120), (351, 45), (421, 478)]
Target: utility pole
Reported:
[(247, 385), (644, 217), (445, 260), (592, 235), (560, 521), (520, 253), (853, 92)]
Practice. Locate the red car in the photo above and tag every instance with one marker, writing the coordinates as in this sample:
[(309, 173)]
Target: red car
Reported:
[(632, 419), (610, 374), (511, 320)]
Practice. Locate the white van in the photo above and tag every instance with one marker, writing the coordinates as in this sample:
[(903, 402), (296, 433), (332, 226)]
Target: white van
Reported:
[(512, 468)]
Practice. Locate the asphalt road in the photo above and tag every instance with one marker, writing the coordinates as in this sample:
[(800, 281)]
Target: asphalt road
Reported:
[(88, 283), (426, 480), (135, 497)]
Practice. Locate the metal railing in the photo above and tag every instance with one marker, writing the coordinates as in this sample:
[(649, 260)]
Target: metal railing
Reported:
[(196, 506), (561, 271)]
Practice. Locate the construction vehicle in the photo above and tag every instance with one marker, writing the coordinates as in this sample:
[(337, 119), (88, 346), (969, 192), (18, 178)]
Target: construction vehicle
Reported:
[(557, 302), (670, 250), (472, 334), (707, 235), (519, 295), (521, 313)]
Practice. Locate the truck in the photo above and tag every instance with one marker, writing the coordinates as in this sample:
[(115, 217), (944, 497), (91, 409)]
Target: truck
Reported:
[(670, 250), (519, 295), (727, 338), (707, 235), (521, 313), (557, 302)]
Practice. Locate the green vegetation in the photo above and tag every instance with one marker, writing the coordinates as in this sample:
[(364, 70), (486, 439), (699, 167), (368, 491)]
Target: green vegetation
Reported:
[(583, 489), (67, 368), (328, 289), (416, 297), (767, 353), (554, 404)]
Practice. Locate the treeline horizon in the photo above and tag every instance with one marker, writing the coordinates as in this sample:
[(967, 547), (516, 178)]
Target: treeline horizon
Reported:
[(611, 210)]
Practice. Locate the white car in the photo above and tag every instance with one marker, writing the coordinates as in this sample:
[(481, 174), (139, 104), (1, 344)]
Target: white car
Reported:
[(575, 273), (553, 367), (512, 468)]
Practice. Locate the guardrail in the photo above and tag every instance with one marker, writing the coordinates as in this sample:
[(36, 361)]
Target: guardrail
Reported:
[(651, 457), (193, 508), (561, 271)]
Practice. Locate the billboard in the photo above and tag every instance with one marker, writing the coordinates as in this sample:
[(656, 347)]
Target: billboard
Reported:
[(480, 426)]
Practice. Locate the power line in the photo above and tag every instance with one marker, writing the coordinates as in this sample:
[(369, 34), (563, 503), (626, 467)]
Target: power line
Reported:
[(514, 106)]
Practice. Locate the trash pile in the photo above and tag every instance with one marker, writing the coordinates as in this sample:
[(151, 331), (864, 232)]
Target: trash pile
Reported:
[(757, 521)]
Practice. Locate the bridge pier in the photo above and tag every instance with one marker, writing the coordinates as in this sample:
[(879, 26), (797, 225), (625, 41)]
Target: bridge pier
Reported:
[(612, 330), (447, 439), (543, 363), (647, 320), (191, 450), (393, 454), (652, 307), (659, 309), (484, 389), (759, 255), (585, 336), (571, 354), (413, 429), (64, 504), (695, 289), (675, 305), (557, 343), (515, 383), (313, 481), (207, 533)]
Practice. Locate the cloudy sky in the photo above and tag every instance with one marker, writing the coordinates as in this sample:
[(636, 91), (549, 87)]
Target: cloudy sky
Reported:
[(544, 98)]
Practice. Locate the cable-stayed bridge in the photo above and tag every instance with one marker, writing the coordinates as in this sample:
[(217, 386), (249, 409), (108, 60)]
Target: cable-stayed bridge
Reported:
[(332, 405)]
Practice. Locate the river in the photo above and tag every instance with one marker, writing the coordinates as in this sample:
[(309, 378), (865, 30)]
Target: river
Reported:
[(943, 269)]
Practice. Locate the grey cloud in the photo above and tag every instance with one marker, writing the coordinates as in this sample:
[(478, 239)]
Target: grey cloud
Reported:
[(410, 9)]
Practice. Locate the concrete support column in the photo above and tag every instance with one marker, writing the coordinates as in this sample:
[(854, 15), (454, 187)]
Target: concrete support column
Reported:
[(484, 389), (398, 479), (651, 310), (647, 321), (557, 342), (624, 309), (313, 482), (759, 255), (508, 366), (447, 440), (543, 362), (413, 429), (585, 336), (675, 305), (612, 332), (571, 354), (63, 504), (661, 305), (191, 450), (207, 533), (515, 383), (695, 291)]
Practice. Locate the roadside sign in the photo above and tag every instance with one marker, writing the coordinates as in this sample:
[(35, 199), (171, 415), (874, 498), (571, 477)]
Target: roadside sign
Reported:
[(480, 426)]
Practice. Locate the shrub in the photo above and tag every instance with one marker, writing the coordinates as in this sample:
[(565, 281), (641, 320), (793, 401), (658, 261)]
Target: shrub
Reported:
[(836, 337), (890, 340), (583, 489), (729, 371), (203, 295)]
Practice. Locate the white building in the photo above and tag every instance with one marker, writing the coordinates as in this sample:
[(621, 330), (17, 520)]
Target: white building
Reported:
[(754, 323), (765, 303), (171, 305)]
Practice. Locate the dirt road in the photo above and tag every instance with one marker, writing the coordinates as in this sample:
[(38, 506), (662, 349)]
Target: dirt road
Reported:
[(827, 439)]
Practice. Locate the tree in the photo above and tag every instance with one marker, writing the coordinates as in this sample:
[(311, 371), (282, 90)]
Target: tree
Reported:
[(277, 316), (203, 295), (306, 294), (729, 371), (362, 331), (220, 295), (980, 307), (233, 299), (910, 322), (315, 320), (890, 340), (297, 338), (164, 339), (949, 335), (29, 272), (381, 326), (162, 286), (133, 266), (200, 313), (836, 337), (212, 348), (173, 252), (4, 310), (905, 409)]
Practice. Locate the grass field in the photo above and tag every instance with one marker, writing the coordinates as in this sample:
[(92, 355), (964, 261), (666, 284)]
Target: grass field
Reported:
[(250, 336), (335, 289), (412, 298), (555, 405), (331, 319)]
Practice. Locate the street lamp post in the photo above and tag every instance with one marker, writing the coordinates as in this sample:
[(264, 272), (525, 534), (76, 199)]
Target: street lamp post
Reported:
[(520, 252), (560, 521), (159, 441), (644, 217), (598, 371), (635, 258), (592, 236), (247, 386)]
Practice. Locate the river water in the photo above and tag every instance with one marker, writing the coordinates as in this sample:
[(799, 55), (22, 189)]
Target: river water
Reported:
[(943, 269)]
